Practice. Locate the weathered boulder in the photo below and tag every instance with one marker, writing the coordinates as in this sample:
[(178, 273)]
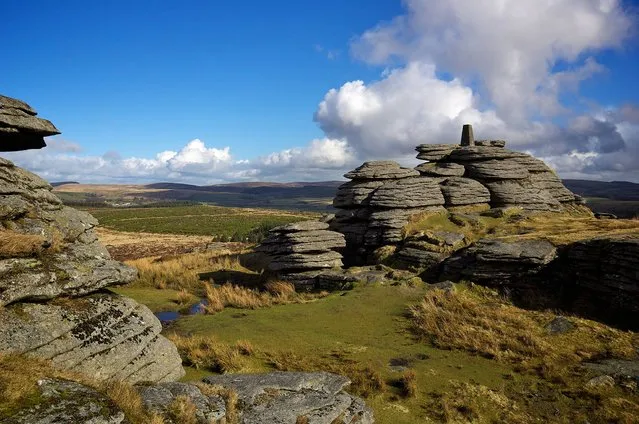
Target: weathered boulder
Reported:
[(158, 398), (20, 129), (62, 401), (480, 153), (460, 191), (355, 193), (493, 262), (380, 170), (441, 169), (293, 397), (550, 182), (496, 170), (296, 250), (434, 152), (49, 251), (105, 336), (415, 192), (522, 193), (490, 143)]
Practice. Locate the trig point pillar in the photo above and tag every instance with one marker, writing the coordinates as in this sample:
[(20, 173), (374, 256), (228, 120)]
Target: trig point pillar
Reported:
[(467, 137)]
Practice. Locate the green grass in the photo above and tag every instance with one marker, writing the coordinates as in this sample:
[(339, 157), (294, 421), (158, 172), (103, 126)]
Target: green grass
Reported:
[(367, 325), (155, 299), (200, 220)]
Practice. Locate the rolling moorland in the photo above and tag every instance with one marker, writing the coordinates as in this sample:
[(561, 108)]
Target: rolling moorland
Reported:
[(619, 198), (473, 288)]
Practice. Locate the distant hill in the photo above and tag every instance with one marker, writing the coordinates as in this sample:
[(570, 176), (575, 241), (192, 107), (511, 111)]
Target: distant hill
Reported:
[(60, 183), (616, 190)]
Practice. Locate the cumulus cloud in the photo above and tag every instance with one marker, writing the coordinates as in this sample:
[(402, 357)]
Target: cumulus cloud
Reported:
[(511, 47), (195, 163)]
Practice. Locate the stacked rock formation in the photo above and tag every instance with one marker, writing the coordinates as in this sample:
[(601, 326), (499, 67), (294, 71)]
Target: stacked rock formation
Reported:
[(301, 251), (382, 196), (20, 129), (377, 203), (52, 272)]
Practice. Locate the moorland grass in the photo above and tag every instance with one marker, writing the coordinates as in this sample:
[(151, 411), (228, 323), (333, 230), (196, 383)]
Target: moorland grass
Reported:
[(218, 222), (19, 376)]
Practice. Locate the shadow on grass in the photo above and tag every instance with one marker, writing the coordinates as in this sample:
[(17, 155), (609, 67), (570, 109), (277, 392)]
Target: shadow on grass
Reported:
[(238, 278)]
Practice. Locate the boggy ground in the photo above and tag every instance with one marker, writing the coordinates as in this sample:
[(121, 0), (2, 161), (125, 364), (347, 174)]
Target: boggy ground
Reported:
[(416, 355)]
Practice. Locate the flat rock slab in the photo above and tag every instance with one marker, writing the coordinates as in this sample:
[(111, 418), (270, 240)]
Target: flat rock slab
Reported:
[(521, 192), (106, 336), (494, 169), (480, 153), (295, 261), (300, 226), (64, 401), (490, 143), (441, 169), (434, 152), (406, 193), (292, 397), (158, 398), (380, 170), (355, 193), (460, 191)]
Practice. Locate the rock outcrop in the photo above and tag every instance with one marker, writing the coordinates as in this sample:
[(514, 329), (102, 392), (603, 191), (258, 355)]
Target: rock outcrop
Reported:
[(53, 272), (382, 197), (304, 253), (292, 397), (20, 128)]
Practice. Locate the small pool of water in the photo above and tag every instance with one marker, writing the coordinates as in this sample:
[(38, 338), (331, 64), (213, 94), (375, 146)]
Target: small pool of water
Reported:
[(167, 317)]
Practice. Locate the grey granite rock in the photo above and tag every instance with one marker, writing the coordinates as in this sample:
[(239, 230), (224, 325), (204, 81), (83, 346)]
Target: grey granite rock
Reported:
[(479, 153), (20, 128), (103, 335), (550, 182), (460, 191), (300, 226), (380, 170), (434, 152), (441, 169), (158, 399), (64, 401), (355, 193), (415, 192), (300, 261), (496, 170), (497, 263), (523, 193), (490, 143), (318, 398)]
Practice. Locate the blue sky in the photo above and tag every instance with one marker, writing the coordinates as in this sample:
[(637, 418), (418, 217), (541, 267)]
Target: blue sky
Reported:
[(143, 76), (137, 78)]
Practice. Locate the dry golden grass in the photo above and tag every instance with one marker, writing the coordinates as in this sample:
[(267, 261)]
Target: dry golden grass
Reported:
[(277, 293), (125, 246), (479, 321), (562, 229), (366, 380), (208, 353), (408, 383), (184, 298), (576, 224), (20, 245), (182, 271), (474, 403), (182, 410), (19, 377), (230, 399)]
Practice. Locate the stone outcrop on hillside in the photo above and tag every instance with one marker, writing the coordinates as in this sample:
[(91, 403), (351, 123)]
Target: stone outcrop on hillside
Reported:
[(20, 128), (52, 272), (382, 196), (261, 398), (302, 252)]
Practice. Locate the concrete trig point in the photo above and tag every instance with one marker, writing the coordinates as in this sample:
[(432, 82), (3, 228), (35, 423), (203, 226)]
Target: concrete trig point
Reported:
[(467, 137)]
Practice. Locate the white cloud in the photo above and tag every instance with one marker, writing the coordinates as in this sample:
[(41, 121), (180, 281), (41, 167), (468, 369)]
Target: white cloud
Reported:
[(510, 46)]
